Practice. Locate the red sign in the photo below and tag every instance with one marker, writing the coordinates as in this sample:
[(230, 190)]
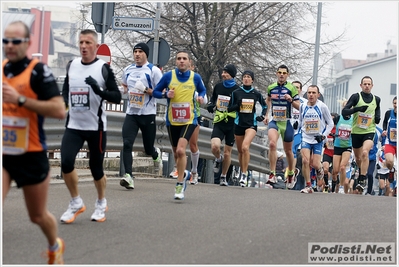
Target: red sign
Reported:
[(104, 53)]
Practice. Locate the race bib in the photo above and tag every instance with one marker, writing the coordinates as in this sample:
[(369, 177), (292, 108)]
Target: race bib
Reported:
[(80, 98), (136, 99), (330, 143), (15, 135), (364, 120), (247, 106), (312, 126), (222, 102), (392, 134), (344, 132), (181, 112), (279, 113)]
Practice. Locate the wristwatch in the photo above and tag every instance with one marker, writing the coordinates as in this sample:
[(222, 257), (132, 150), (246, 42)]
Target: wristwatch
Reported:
[(21, 100)]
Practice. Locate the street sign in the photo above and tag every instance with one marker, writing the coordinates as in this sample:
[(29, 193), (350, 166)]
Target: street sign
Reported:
[(97, 15), (163, 51), (104, 53), (132, 24)]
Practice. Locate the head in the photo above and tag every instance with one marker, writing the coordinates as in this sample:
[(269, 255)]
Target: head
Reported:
[(298, 86), (394, 103), (248, 77), (88, 45), (140, 53), (366, 84), (229, 72), (16, 41), (282, 74), (313, 93), (183, 61)]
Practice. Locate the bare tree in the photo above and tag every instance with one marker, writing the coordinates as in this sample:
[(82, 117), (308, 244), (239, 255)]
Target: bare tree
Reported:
[(258, 36)]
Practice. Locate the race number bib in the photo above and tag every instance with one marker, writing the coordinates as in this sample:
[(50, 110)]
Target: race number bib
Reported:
[(80, 98), (15, 135), (181, 112), (247, 106), (136, 99), (330, 143), (392, 134), (344, 132), (312, 126), (364, 120), (222, 102), (280, 113)]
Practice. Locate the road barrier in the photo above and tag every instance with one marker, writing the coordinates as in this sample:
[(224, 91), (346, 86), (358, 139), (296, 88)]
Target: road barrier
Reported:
[(259, 162)]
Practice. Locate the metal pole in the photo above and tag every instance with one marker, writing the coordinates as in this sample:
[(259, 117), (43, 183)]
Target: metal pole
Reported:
[(156, 34), (317, 45), (103, 22)]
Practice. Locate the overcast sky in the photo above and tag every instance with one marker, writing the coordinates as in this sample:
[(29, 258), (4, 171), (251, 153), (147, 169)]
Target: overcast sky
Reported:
[(369, 24)]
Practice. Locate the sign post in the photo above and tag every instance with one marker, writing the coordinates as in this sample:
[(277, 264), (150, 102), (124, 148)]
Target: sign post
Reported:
[(104, 53)]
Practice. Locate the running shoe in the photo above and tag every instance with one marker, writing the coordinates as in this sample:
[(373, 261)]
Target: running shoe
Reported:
[(174, 174), (194, 178), (159, 158), (272, 179), (243, 181), (341, 190), (57, 257), (307, 190), (361, 185), (99, 211), (223, 181), (127, 181), (179, 192), (291, 179), (326, 189), (216, 164), (72, 212)]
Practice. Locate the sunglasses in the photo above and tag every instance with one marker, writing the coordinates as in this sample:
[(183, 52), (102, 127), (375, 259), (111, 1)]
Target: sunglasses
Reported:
[(15, 41), (282, 72)]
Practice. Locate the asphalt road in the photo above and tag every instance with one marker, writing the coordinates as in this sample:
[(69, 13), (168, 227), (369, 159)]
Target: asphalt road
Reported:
[(212, 225)]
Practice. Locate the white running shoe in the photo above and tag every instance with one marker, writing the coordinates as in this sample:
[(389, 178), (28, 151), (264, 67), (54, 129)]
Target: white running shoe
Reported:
[(194, 178), (72, 212), (99, 211), (174, 174), (307, 190), (223, 181), (127, 181), (243, 181), (159, 158)]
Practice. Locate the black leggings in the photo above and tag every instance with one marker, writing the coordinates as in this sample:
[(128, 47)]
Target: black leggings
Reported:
[(73, 141), (130, 129)]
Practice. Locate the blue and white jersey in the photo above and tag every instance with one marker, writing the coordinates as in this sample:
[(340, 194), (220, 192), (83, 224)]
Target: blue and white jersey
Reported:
[(314, 120), (391, 131), (295, 115), (141, 103)]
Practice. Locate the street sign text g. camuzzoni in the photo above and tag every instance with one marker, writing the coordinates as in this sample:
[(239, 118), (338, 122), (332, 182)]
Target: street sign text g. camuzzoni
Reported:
[(132, 24)]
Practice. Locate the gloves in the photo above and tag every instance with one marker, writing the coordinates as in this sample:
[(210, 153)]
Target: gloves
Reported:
[(139, 86), (319, 138), (211, 108), (295, 126), (260, 118), (362, 108), (94, 85)]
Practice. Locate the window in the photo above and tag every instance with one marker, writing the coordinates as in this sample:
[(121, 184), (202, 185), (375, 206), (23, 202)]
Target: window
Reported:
[(393, 89)]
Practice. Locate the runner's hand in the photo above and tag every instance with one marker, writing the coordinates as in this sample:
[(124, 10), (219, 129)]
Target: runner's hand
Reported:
[(94, 85)]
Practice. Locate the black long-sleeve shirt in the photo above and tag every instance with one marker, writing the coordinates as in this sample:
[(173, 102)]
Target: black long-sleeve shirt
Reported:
[(367, 98)]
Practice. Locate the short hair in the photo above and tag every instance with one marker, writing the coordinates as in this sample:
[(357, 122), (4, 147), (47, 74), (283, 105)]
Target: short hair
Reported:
[(283, 67), (394, 99), (26, 28), (184, 51), (300, 84), (315, 86), (366, 77), (92, 32)]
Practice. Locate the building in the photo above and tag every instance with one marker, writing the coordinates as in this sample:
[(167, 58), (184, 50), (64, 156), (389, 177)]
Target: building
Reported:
[(346, 75), (53, 31)]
